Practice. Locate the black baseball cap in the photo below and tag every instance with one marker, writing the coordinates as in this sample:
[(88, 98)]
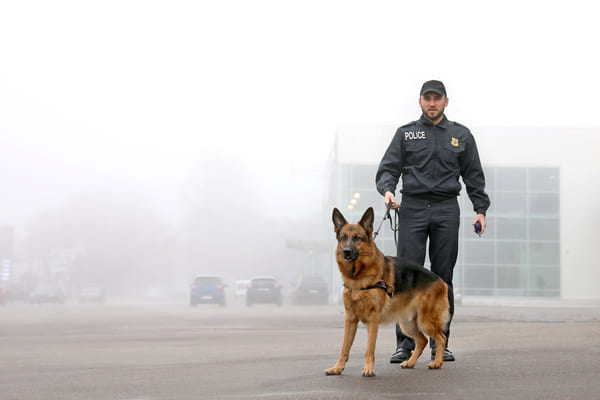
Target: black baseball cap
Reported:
[(433, 86)]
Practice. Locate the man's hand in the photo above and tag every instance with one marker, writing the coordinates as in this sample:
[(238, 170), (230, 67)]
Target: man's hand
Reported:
[(389, 198), (481, 219)]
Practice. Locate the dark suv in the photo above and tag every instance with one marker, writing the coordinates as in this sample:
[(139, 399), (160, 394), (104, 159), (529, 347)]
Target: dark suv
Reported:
[(311, 290), (207, 289), (263, 289)]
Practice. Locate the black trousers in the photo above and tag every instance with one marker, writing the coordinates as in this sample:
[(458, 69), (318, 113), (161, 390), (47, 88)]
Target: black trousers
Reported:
[(437, 220)]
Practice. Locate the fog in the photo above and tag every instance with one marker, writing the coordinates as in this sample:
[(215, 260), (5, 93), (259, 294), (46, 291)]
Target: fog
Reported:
[(142, 143)]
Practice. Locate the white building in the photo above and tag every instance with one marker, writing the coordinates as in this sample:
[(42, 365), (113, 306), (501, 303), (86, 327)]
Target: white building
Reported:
[(543, 186)]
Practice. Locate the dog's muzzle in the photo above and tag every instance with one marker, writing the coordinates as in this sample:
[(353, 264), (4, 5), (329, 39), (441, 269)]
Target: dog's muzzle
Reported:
[(349, 254)]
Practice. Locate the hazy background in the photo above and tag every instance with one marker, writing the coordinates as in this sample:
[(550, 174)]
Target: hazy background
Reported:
[(141, 140)]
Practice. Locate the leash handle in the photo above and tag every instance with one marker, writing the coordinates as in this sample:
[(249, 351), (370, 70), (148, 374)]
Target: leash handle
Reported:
[(388, 206)]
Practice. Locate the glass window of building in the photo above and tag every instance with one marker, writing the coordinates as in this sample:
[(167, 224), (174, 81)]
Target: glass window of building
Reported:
[(522, 243)]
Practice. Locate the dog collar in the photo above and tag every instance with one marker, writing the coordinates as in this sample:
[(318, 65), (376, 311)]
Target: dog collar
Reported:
[(378, 285)]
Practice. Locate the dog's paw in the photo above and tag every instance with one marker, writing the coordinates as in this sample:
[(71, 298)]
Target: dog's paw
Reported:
[(407, 364), (434, 365), (334, 371), (368, 372)]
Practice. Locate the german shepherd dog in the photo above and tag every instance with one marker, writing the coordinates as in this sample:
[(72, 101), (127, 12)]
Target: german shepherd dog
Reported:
[(380, 289)]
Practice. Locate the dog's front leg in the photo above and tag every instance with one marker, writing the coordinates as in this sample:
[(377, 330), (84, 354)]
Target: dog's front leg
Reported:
[(372, 328), (350, 325)]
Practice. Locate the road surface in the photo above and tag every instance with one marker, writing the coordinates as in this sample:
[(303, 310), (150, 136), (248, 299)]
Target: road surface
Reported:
[(548, 350)]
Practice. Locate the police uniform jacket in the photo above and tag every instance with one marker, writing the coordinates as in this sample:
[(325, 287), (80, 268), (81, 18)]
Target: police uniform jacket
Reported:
[(431, 158)]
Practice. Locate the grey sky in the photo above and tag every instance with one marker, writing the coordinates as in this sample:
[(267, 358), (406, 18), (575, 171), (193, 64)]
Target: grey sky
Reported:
[(131, 95)]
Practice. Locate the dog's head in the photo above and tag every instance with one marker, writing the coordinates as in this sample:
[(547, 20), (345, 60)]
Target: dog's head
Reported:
[(354, 240)]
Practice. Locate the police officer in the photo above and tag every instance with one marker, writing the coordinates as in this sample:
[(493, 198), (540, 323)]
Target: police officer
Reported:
[(430, 155)]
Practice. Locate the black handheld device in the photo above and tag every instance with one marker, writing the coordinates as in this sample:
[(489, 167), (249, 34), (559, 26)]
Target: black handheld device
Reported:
[(477, 227)]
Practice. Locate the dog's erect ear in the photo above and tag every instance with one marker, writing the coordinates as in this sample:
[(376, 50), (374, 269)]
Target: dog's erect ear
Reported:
[(338, 219), (367, 219)]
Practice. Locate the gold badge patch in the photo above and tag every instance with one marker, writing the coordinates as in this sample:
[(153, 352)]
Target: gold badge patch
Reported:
[(454, 142)]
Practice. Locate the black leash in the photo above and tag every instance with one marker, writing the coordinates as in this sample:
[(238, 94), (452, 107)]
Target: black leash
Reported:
[(393, 225), (385, 216)]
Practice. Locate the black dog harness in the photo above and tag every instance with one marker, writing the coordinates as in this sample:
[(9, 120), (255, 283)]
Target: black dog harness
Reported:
[(379, 285)]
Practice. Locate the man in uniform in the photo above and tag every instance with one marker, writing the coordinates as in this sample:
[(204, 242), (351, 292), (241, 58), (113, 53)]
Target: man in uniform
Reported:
[(430, 155)]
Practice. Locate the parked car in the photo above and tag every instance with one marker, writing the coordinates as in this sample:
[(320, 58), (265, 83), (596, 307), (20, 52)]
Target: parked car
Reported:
[(310, 290), (92, 294), (241, 286), (207, 289), (47, 293), (263, 289)]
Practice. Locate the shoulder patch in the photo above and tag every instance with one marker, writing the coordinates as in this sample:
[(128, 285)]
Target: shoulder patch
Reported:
[(461, 125), (412, 123)]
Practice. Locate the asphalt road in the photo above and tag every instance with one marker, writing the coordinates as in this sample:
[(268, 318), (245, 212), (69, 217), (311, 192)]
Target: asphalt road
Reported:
[(171, 351)]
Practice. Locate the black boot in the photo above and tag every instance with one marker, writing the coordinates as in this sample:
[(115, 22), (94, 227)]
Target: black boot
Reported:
[(404, 347), (401, 355), (448, 355)]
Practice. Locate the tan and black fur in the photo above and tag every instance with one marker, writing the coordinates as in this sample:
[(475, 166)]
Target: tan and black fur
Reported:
[(418, 301)]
